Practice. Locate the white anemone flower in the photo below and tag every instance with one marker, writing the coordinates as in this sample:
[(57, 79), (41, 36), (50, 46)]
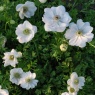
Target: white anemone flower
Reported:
[(72, 91), (75, 81), (10, 58), (16, 75), (56, 19), (3, 91), (28, 9), (80, 33), (65, 93), (28, 81), (25, 32)]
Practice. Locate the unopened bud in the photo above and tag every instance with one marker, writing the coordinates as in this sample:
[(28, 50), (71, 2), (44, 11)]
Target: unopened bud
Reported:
[(63, 47)]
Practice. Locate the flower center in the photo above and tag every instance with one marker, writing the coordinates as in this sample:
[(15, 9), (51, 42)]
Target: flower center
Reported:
[(26, 32), (72, 90), (79, 33), (25, 9), (76, 81), (11, 57), (28, 80), (56, 17), (17, 75)]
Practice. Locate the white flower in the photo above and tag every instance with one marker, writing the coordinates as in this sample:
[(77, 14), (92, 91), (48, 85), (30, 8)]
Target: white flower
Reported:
[(28, 81), (65, 93), (28, 9), (72, 91), (56, 19), (10, 58), (80, 33), (3, 91), (42, 1), (25, 32), (75, 81), (16, 75)]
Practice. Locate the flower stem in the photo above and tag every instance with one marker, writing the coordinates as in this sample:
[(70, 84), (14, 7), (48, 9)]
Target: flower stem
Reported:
[(36, 50), (92, 45)]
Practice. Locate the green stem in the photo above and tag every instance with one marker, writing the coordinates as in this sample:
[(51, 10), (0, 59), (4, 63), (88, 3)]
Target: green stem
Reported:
[(91, 45), (36, 50)]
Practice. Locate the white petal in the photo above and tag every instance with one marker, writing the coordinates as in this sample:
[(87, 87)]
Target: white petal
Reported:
[(80, 23), (87, 29), (27, 24), (89, 37), (60, 10), (24, 85), (21, 14), (66, 18), (73, 26), (65, 93), (81, 42), (69, 81), (33, 75), (87, 23), (29, 3), (21, 40), (73, 75), (48, 16), (53, 9), (19, 7), (34, 28), (81, 79), (70, 33), (27, 14), (77, 41)]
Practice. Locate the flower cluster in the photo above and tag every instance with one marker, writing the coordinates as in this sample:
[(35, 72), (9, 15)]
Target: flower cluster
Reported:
[(74, 84), (56, 19), (24, 79)]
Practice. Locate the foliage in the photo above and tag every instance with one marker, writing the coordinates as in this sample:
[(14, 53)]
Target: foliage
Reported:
[(42, 54)]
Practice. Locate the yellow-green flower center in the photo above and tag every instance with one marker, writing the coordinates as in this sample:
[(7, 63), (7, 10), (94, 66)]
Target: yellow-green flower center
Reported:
[(11, 57), (76, 81), (17, 75), (25, 9), (28, 80), (72, 90), (79, 33), (26, 32)]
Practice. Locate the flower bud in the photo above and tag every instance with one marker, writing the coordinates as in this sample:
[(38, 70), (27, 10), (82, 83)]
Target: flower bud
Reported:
[(12, 22), (42, 1), (63, 47), (1, 8), (2, 41)]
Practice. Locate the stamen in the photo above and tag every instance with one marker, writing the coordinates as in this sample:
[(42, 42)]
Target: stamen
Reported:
[(17, 75), (72, 90), (26, 32), (25, 9), (11, 57)]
